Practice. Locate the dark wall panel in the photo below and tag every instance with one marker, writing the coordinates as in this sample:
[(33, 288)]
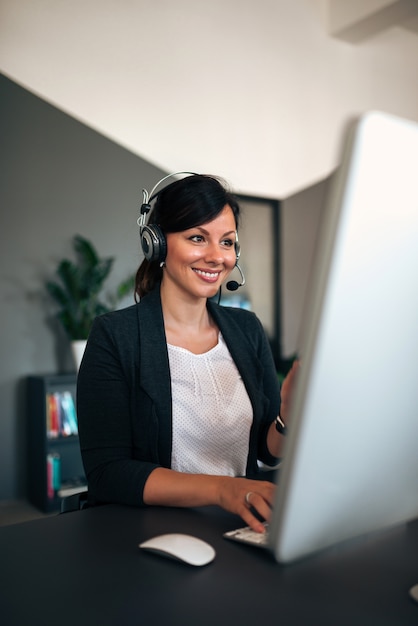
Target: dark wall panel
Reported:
[(58, 178)]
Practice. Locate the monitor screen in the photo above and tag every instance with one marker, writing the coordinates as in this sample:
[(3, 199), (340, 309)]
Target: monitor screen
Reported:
[(351, 457)]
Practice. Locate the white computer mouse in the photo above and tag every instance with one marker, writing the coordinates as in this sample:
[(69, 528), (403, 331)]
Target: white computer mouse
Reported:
[(186, 548)]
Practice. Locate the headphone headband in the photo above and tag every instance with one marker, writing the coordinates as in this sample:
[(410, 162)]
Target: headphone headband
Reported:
[(147, 198), (152, 194)]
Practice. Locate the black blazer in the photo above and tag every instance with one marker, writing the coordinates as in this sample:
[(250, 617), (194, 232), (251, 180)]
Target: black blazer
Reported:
[(124, 395)]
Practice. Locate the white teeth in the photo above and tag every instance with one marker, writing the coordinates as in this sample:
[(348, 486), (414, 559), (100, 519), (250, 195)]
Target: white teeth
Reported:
[(207, 274)]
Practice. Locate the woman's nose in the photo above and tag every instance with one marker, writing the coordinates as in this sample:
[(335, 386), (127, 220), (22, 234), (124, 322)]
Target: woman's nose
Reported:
[(214, 253)]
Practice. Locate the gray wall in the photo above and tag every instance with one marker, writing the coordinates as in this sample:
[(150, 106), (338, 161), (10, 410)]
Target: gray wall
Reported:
[(58, 178), (301, 216)]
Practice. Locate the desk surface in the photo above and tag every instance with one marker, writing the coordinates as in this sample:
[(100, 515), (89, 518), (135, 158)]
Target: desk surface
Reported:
[(85, 568)]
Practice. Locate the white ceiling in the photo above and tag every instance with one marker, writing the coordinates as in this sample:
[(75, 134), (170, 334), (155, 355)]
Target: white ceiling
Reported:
[(257, 92)]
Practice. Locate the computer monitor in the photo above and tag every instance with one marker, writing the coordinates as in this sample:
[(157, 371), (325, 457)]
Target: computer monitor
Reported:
[(350, 462)]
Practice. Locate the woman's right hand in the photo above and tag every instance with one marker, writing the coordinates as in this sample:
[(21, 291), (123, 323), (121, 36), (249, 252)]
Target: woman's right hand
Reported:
[(243, 497)]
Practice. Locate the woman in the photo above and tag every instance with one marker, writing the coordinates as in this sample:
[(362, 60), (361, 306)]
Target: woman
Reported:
[(178, 396)]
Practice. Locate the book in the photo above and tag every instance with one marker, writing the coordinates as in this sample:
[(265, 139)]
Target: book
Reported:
[(61, 417), (69, 490), (52, 416), (53, 480), (69, 411)]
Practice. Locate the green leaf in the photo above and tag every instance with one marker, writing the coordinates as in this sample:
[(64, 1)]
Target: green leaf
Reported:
[(79, 287), (86, 252)]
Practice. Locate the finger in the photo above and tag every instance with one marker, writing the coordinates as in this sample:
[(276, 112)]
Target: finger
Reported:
[(252, 521), (258, 503), (255, 508), (264, 489)]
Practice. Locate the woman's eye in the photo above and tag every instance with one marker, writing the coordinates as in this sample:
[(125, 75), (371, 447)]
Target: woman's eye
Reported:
[(227, 243)]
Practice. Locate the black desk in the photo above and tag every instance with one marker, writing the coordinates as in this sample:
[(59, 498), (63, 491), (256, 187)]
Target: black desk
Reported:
[(85, 568)]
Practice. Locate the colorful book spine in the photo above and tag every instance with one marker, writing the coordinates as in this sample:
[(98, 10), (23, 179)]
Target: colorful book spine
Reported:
[(52, 416), (61, 417), (70, 412), (53, 465)]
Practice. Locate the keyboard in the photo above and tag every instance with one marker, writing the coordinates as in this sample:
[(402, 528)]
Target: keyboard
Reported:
[(249, 536)]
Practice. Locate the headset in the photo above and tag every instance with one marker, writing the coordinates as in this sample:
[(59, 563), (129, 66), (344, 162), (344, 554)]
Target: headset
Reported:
[(153, 241)]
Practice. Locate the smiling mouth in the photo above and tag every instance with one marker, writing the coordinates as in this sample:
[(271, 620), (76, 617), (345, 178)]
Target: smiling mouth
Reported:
[(212, 276)]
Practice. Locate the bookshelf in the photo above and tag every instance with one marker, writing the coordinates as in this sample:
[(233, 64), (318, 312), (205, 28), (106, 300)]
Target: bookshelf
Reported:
[(55, 468)]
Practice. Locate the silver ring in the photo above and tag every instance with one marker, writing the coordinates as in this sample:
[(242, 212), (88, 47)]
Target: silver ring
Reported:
[(247, 497)]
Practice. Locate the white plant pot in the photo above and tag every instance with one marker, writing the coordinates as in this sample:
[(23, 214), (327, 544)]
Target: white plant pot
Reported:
[(77, 348)]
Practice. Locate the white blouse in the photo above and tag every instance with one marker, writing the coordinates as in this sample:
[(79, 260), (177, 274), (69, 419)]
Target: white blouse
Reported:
[(212, 413)]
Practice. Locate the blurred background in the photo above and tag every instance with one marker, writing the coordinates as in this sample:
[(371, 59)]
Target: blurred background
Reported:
[(101, 99)]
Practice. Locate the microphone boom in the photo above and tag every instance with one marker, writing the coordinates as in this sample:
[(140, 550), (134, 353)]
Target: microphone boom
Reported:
[(233, 285)]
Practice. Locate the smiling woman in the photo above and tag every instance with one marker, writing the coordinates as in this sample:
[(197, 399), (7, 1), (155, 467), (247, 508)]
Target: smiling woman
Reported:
[(178, 396)]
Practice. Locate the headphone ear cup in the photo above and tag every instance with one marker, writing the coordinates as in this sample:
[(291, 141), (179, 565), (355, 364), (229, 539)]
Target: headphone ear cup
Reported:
[(153, 243)]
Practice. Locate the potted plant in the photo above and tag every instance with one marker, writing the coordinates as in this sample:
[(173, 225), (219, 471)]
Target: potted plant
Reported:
[(79, 292)]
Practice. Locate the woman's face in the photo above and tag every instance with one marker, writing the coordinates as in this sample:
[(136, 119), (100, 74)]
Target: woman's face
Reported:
[(200, 259)]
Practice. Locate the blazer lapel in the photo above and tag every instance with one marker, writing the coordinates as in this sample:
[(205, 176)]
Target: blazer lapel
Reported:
[(154, 367)]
